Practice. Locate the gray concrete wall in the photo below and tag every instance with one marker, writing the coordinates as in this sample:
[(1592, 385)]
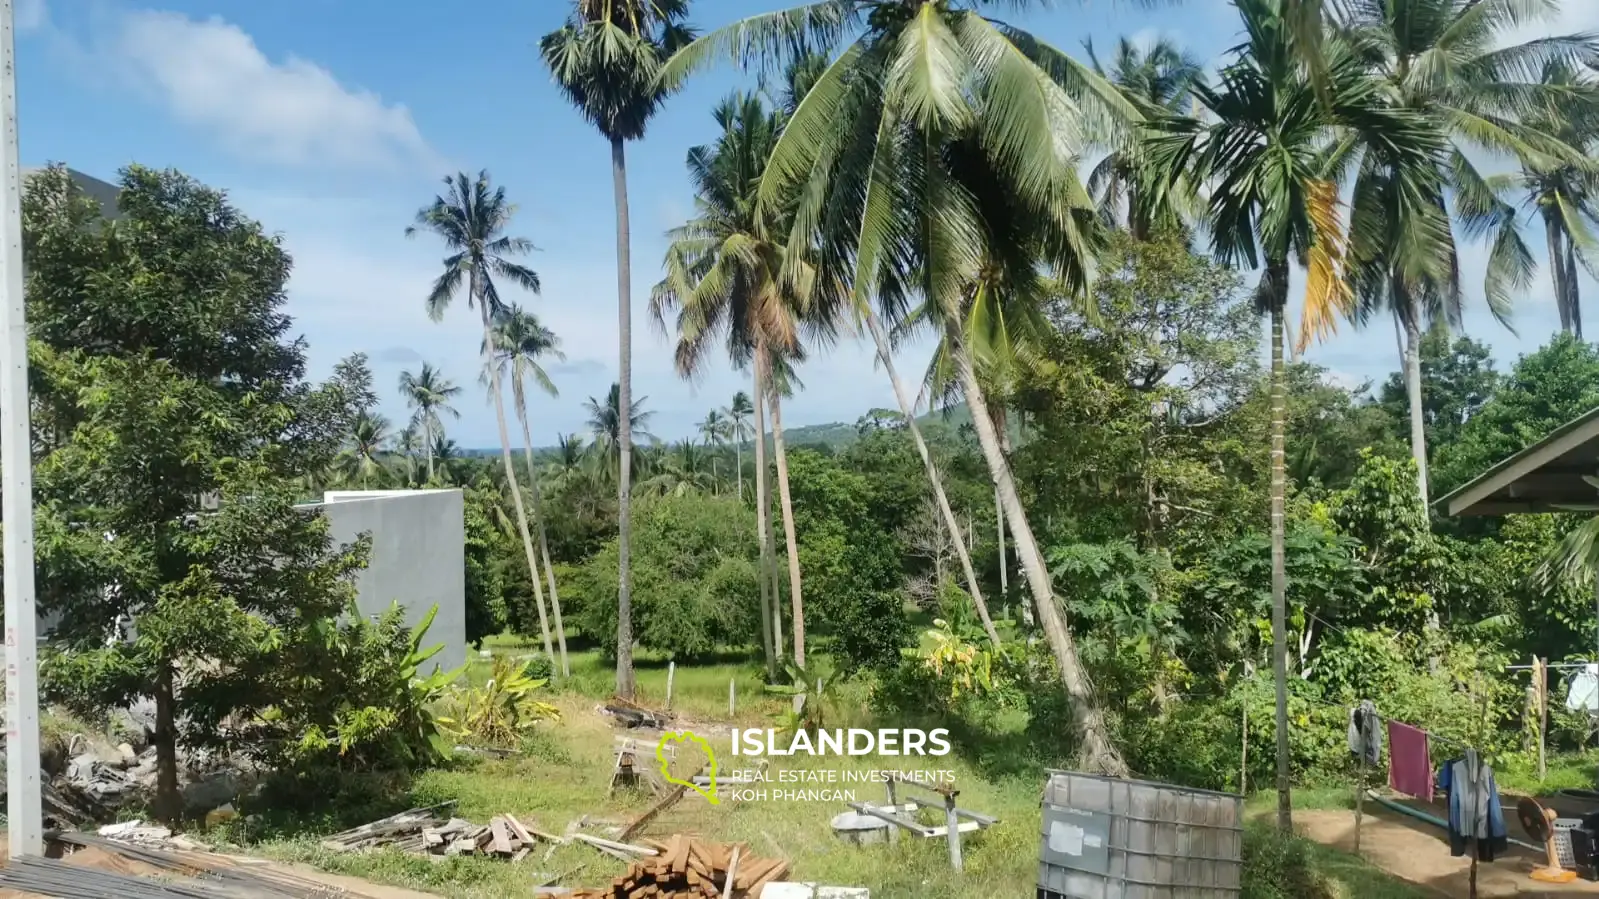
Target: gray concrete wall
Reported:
[(418, 557)]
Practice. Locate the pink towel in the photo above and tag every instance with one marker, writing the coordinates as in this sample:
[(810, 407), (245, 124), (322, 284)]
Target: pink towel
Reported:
[(1409, 765)]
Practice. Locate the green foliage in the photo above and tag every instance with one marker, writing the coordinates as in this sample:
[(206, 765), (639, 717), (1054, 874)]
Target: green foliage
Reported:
[(1380, 509), (851, 565), (1281, 866), (503, 711), (694, 576), (815, 686), (164, 373), (373, 709), (487, 551)]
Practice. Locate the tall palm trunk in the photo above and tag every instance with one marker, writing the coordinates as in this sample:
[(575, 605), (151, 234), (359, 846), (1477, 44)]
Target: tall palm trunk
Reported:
[(1412, 364), (771, 627), (510, 469), (1574, 303), (1557, 266), (796, 597), (428, 438), (544, 540), (738, 463), (1096, 751), (625, 683), (886, 355), (1277, 272)]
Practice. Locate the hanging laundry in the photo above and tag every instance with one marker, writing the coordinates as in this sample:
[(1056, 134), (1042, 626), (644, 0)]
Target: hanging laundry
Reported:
[(1475, 814), (1365, 732), (1409, 765), (1584, 690)]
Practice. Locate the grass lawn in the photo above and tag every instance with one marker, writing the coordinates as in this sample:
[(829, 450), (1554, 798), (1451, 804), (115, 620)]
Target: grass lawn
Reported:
[(565, 771)]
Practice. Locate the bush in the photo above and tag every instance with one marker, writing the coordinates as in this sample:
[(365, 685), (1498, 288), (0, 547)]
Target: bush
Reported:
[(695, 589), (1281, 866)]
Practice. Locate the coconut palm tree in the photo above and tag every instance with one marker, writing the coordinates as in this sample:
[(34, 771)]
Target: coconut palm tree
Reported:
[(860, 179), (521, 343), (607, 426), (739, 413), (369, 444), (606, 59), (722, 283), (471, 217), (408, 443), (429, 393), (715, 430), (1155, 78), (1448, 60), (1267, 153)]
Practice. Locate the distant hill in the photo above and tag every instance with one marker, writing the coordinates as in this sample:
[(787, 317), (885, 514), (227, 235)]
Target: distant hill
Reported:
[(835, 435)]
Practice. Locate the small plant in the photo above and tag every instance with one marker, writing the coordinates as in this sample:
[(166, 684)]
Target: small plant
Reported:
[(958, 660), (501, 712), (812, 687)]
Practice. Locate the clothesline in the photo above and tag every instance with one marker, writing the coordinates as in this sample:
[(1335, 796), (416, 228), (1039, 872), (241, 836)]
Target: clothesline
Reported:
[(1344, 707)]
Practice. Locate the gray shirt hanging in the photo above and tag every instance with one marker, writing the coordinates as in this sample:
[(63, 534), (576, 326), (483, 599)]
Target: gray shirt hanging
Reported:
[(1365, 732)]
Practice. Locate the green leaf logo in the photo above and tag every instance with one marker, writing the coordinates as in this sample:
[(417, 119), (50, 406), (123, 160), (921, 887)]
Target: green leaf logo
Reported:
[(679, 738)]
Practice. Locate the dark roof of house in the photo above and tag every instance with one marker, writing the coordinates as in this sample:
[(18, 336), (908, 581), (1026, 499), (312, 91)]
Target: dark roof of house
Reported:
[(1548, 476)]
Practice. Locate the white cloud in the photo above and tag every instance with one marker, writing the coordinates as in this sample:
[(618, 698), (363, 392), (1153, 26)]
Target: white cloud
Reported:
[(211, 75)]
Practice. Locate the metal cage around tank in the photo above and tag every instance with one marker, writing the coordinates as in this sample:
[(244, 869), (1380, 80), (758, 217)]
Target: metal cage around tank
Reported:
[(1111, 838)]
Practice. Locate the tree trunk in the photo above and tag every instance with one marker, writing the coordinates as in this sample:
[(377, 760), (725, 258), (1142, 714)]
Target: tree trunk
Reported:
[(510, 472), (168, 801), (1418, 420), (1557, 268), (771, 627), (1573, 286), (1277, 272), (885, 354), (625, 683), (1096, 751), (544, 540), (796, 597), (738, 463), (428, 438)]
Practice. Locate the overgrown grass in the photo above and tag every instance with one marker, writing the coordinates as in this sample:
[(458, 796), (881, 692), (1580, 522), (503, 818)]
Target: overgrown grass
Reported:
[(564, 772)]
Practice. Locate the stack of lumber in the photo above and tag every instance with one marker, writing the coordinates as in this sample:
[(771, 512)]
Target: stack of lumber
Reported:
[(691, 868), (426, 832)]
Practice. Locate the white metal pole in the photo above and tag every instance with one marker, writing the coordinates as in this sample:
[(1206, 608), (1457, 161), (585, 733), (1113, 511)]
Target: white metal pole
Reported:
[(24, 810)]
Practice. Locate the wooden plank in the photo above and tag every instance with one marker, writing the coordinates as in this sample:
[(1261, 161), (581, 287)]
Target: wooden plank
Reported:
[(500, 834), (912, 826)]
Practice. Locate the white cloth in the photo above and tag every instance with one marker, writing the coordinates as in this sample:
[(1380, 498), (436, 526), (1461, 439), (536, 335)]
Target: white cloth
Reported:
[(1584, 691)]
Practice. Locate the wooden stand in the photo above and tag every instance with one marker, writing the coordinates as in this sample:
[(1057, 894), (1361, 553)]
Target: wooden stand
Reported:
[(1553, 873), (956, 820)]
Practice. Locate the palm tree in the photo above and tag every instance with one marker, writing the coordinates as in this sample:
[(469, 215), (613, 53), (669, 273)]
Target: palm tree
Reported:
[(521, 342), (429, 393), (859, 176), (1267, 155), (369, 443), (471, 218), (608, 426), (738, 413), (715, 430), (408, 443), (1156, 79), (722, 281), (606, 59), (1447, 60)]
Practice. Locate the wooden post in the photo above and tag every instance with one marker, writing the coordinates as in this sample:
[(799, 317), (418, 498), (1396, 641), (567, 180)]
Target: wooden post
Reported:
[(732, 696), (1243, 754), (953, 821), (671, 671), (1360, 796), (893, 804), (1540, 683)]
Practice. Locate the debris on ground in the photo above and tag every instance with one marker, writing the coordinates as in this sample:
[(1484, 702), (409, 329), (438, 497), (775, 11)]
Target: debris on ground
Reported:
[(153, 836), (690, 868), (430, 831), (630, 714), (99, 866)]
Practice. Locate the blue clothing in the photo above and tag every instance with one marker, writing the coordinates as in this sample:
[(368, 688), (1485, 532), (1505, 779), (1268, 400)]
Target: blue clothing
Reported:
[(1475, 814)]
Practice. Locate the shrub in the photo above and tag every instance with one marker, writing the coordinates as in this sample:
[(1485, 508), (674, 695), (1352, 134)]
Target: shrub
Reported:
[(501, 712), (1281, 866)]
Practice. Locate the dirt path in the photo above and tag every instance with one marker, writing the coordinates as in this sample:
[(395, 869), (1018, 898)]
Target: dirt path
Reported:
[(1419, 853)]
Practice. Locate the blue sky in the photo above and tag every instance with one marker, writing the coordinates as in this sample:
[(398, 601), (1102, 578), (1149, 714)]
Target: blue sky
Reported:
[(333, 122)]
